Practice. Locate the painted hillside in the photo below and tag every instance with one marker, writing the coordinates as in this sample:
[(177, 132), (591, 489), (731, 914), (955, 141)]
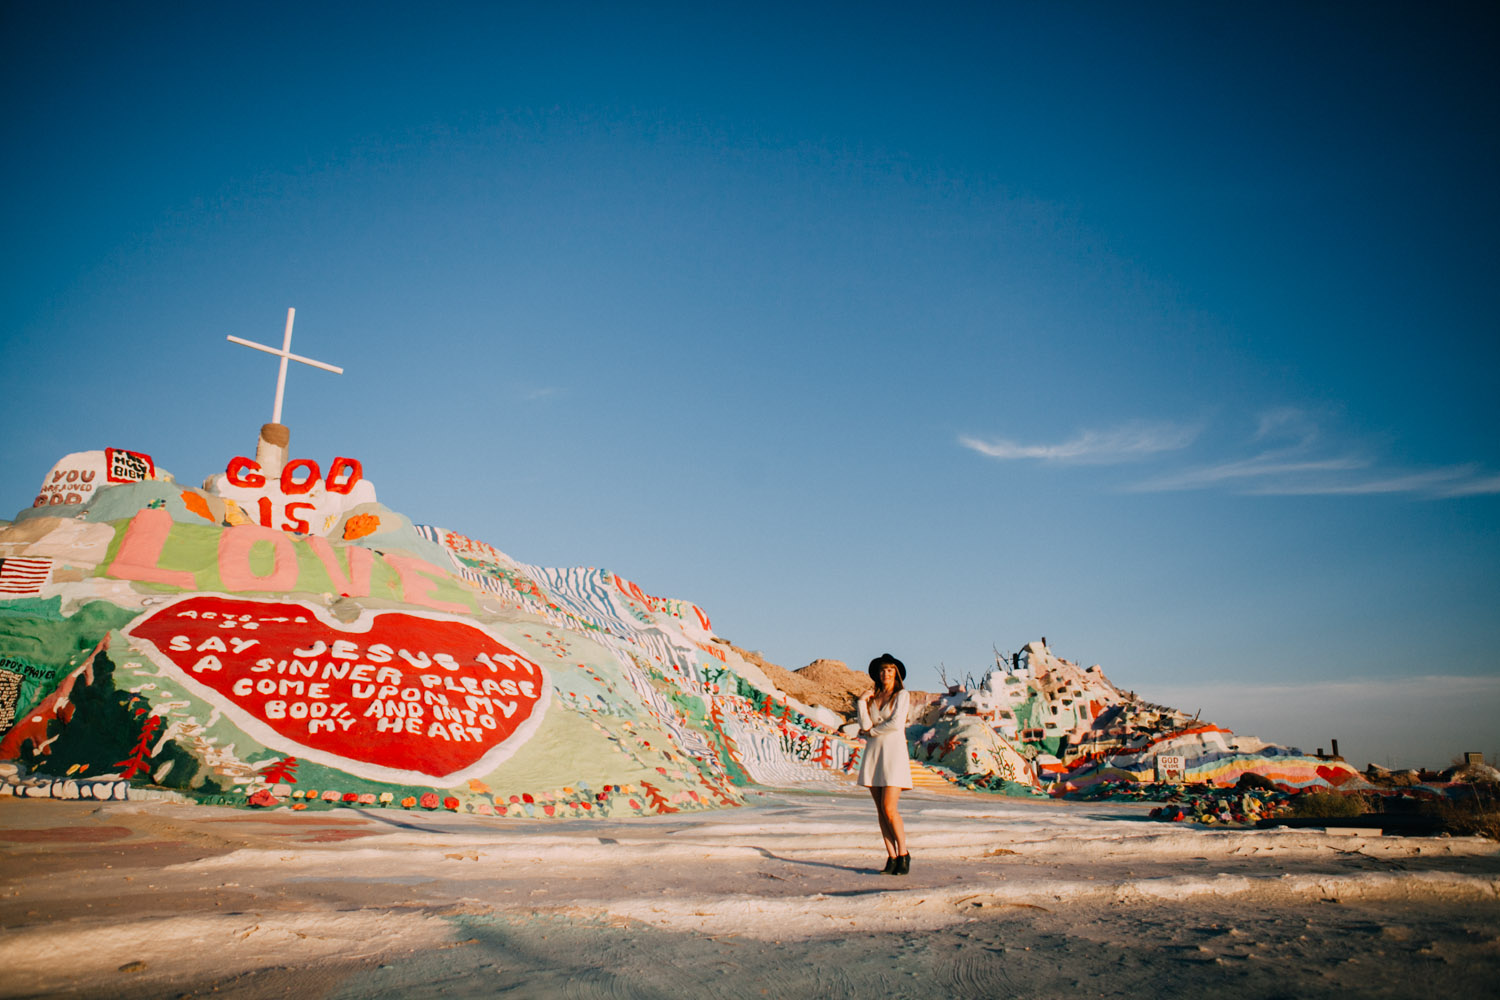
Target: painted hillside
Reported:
[(1039, 721), (279, 637)]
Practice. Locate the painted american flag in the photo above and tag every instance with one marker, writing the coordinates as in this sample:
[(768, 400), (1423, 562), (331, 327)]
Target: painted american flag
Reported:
[(20, 577)]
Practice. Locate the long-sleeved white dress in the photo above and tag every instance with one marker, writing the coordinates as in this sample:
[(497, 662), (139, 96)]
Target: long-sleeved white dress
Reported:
[(885, 761)]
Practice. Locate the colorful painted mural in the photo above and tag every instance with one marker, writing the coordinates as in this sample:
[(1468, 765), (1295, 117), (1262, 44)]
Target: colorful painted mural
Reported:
[(288, 641), (283, 639), (391, 696), (1039, 722)]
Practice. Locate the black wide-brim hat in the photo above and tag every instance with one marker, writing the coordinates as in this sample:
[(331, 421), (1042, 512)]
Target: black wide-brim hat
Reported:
[(881, 661)]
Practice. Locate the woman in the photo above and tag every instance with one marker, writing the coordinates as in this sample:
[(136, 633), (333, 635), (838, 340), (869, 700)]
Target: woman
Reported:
[(884, 768)]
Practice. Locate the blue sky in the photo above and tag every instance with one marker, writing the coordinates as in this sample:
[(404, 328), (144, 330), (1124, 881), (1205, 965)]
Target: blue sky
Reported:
[(1168, 333)]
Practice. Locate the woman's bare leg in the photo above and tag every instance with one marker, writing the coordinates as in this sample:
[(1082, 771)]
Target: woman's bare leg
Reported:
[(877, 793), (891, 812)]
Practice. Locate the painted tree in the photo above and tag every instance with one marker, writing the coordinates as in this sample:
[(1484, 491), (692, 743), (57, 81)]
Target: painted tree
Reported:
[(656, 800), (853, 761), (716, 790), (718, 720), (283, 770), (722, 793), (824, 757), (139, 758)]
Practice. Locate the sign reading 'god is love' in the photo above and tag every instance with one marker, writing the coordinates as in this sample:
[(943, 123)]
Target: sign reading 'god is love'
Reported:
[(397, 697)]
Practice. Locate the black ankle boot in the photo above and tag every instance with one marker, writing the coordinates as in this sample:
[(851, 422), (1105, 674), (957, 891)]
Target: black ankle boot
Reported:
[(890, 866), (903, 865)]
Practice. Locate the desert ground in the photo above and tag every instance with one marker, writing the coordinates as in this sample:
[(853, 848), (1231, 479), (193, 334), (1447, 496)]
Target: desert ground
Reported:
[(781, 898)]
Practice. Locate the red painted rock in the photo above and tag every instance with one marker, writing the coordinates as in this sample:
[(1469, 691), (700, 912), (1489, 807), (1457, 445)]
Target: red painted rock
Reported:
[(398, 697)]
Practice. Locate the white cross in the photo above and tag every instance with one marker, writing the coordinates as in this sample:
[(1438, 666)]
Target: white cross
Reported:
[(285, 354)]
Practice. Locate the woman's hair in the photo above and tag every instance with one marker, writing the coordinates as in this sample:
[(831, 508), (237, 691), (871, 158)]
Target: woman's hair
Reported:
[(876, 666)]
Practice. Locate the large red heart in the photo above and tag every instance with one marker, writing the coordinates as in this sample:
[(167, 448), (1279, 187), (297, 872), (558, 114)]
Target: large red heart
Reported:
[(1333, 775), (395, 697)]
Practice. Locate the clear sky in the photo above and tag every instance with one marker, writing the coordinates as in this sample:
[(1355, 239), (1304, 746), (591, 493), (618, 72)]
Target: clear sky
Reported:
[(1165, 331)]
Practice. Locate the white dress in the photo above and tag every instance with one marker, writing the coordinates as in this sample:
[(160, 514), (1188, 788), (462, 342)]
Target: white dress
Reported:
[(884, 761)]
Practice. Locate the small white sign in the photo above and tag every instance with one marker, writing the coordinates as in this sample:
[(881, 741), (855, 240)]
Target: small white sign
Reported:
[(1170, 767)]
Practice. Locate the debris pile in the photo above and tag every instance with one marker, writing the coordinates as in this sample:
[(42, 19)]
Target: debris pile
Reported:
[(1218, 807)]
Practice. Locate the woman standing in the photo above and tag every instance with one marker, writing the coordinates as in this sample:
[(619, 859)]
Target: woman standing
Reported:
[(884, 768)]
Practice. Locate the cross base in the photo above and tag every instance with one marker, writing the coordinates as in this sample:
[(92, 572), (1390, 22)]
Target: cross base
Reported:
[(272, 448)]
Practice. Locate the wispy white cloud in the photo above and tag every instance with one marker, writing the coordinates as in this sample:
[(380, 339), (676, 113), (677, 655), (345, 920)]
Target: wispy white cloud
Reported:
[(1476, 486), (1269, 472), (541, 392), (1290, 453), (1459, 480), (1127, 443), (1296, 459)]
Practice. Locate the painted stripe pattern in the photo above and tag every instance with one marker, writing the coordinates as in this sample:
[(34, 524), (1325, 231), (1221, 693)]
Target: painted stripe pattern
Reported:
[(645, 636), (22, 577)]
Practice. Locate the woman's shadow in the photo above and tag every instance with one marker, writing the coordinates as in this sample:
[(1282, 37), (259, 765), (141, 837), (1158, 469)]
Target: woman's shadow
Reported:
[(856, 869)]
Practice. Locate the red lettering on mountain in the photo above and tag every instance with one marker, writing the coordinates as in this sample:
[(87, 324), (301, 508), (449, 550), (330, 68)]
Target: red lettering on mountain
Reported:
[(393, 696)]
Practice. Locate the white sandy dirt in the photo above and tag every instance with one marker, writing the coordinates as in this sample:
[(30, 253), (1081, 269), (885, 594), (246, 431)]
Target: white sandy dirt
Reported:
[(782, 898)]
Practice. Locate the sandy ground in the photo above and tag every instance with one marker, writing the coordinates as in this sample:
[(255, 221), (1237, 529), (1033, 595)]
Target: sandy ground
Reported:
[(1007, 898)]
